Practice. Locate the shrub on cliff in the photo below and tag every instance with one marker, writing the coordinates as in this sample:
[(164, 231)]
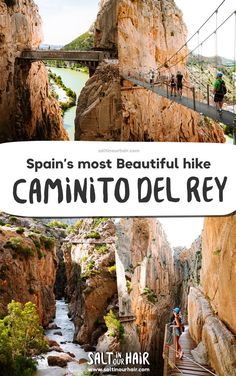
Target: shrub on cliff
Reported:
[(57, 224), (17, 244), (114, 326), (21, 337)]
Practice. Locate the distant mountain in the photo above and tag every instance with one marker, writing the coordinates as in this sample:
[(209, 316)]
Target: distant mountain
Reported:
[(82, 43), (211, 60), (50, 47)]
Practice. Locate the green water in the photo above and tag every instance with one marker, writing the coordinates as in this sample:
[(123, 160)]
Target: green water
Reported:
[(75, 81)]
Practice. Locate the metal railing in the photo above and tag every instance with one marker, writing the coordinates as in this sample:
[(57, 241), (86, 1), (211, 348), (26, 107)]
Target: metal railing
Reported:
[(169, 353)]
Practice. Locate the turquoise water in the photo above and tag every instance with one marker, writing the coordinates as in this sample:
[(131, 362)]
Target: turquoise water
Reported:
[(75, 81)]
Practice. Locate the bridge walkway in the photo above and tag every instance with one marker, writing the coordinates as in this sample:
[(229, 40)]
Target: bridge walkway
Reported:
[(226, 118)]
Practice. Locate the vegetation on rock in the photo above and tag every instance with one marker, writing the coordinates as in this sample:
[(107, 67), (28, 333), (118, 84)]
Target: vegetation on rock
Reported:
[(150, 294), (83, 43), (21, 337), (114, 326), (17, 244)]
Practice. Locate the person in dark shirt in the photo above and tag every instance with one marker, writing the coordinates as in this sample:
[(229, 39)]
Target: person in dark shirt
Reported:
[(172, 85), (179, 78)]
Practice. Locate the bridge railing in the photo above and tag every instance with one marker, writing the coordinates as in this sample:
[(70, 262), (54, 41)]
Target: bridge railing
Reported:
[(170, 352), (169, 345)]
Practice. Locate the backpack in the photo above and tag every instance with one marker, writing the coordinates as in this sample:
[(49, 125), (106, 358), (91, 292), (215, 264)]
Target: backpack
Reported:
[(222, 89)]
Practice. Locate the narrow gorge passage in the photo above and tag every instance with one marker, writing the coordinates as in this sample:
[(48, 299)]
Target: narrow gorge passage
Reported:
[(65, 329), (74, 80)]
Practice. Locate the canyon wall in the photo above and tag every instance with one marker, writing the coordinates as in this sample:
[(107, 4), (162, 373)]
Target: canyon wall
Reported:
[(89, 256), (106, 35), (99, 113), (187, 267), (146, 34), (28, 265), (27, 110), (211, 308), (145, 280)]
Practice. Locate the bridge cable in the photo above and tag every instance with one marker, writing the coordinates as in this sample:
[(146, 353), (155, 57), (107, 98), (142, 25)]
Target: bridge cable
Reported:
[(216, 42), (234, 74), (185, 44), (205, 40)]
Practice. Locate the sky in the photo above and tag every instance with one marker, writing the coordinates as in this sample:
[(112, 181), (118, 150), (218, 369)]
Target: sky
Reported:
[(63, 21), (182, 231)]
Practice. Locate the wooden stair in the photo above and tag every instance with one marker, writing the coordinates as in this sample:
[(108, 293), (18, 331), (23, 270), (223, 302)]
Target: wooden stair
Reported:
[(187, 366)]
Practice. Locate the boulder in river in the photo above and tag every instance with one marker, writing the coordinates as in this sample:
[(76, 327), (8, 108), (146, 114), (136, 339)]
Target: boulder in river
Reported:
[(59, 333), (59, 360), (53, 325), (83, 361), (52, 343)]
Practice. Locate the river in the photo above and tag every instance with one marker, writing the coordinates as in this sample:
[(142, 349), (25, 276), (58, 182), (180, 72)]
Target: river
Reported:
[(67, 329), (74, 80)]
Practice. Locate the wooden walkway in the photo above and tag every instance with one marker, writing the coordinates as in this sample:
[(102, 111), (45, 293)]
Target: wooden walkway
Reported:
[(227, 118), (187, 366)]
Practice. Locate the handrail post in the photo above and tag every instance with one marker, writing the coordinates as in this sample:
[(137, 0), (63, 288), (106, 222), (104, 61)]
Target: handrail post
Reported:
[(194, 98), (174, 344), (234, 131), (166, 353), (208, 94)]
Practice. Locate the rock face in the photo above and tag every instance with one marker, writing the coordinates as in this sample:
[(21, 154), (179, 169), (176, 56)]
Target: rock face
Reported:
[(206, 327), (145, 281), (27, 110), (99, 114), (91, 278), (218, 276), (187, 266), (149, 117), (28, 265), (211, 309), (106, 35), (146, 34), (149, 33)]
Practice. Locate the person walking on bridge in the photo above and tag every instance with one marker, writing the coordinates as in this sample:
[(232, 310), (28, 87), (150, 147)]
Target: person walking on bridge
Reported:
[(172, 85), (178, 331), (219, 92), (179, 78)]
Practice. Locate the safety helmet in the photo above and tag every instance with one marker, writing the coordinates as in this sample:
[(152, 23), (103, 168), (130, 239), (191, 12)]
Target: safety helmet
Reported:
[(219, 74), (176, 310)]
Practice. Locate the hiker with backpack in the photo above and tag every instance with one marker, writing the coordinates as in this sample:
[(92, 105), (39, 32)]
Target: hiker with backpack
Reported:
[(219, 92)]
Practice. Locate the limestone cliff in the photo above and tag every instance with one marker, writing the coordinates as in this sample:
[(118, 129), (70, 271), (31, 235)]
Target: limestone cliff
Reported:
[(187, 267), (111, 108), (211, 309), (149, 33), (91, 290), (28, 265), (106, 36), (27, 111), (99, 114), (145, 281)]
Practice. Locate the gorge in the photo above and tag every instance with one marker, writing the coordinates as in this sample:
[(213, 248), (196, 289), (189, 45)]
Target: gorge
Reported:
[(120, 278)]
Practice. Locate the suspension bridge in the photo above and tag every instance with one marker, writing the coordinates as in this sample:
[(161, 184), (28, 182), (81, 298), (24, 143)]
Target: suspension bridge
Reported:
[(186, 366), (197, 94)]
